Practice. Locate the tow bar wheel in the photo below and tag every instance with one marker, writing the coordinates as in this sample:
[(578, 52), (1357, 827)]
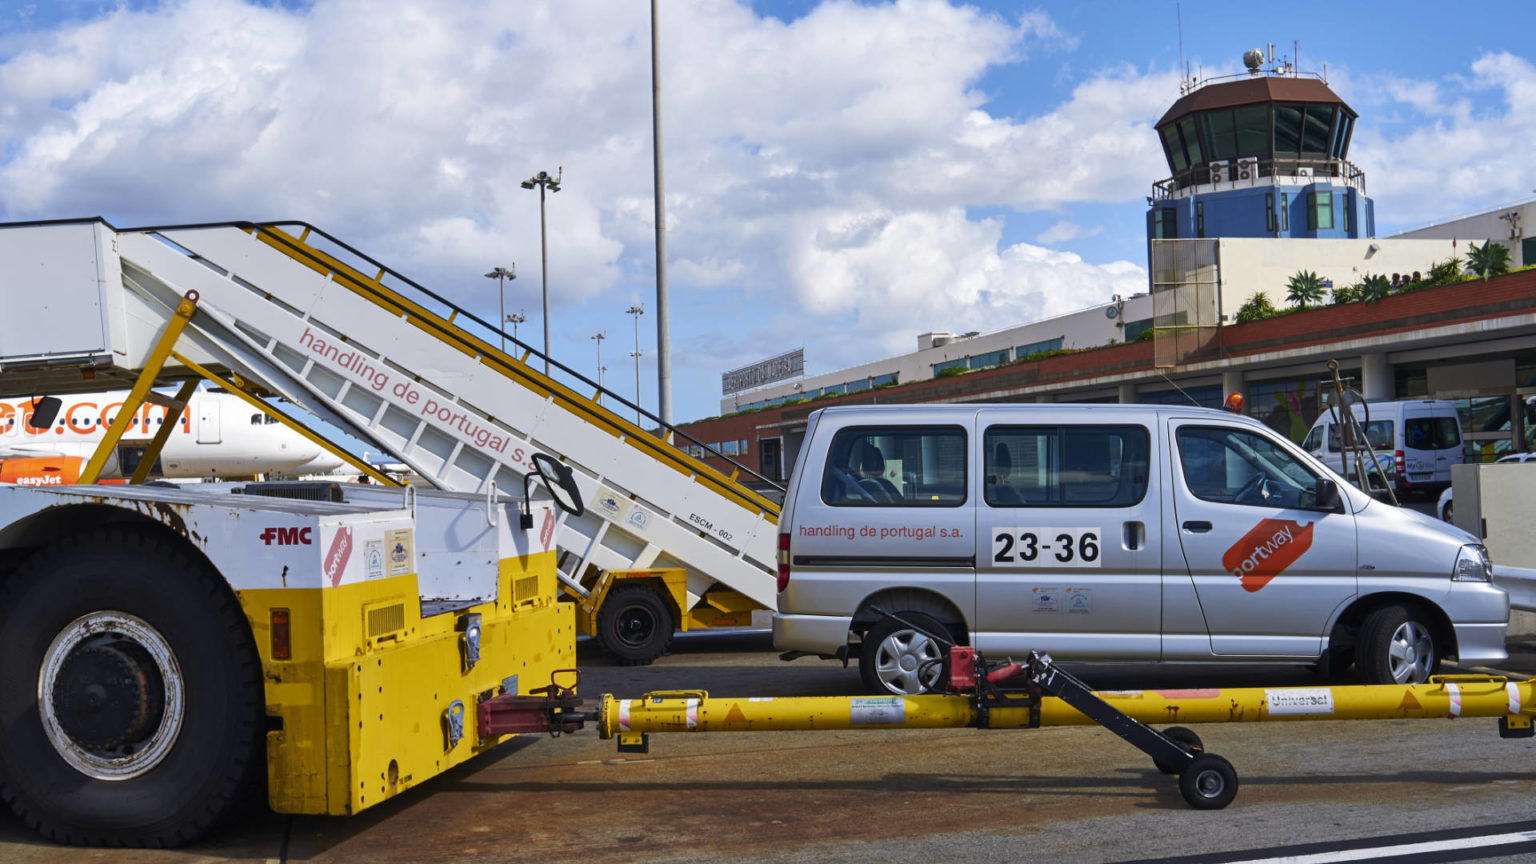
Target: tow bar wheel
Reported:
[(110, 694), (1208, 782)]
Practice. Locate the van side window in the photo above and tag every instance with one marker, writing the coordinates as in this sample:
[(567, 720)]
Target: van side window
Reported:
[(1065, 466), (1236, 466), (1377, 432), (1432, 433), (896, 466)]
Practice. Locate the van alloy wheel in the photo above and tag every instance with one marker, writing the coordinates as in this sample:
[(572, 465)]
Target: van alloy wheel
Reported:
[(898, 659)]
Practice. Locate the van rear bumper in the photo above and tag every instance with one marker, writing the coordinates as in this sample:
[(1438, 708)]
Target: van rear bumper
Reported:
[(812, 634), (1478, 644)]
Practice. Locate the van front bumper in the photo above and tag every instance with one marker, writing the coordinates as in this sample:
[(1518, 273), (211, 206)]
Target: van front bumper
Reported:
[(825, 635), (1480, 644)]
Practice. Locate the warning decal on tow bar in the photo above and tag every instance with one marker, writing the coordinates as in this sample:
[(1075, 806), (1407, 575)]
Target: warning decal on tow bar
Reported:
[(877, 711)]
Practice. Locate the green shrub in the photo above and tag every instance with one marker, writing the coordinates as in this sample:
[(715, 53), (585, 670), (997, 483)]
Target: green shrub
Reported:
[(1375, 288), (1257, 308), (1304, 288), (1491, 260), (950, 372)]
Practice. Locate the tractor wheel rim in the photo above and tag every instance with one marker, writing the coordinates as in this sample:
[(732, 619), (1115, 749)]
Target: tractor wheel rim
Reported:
[(95, 665)]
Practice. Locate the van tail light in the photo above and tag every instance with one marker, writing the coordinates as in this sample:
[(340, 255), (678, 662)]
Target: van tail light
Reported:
[(783, 561), (1399, 456)]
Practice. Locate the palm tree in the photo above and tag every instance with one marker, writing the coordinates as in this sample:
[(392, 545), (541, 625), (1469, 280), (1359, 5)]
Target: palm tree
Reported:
[(1491, 260), (1304, 288)]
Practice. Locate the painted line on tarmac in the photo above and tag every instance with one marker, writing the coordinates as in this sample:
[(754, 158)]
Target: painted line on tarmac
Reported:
[(1378, 853), (1457, 844)]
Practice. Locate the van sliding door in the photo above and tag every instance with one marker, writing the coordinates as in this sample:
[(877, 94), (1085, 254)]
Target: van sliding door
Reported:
[(1068, 555)]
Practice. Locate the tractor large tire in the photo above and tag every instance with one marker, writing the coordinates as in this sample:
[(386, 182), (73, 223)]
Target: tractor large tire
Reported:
[(130, 692)]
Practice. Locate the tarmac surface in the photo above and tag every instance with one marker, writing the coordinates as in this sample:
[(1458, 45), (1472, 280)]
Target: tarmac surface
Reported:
[(1054, 794)]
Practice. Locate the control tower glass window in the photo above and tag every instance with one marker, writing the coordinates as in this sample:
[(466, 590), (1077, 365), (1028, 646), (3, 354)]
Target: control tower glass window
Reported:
[(1174, 148), (1252, 122), (1341, 136), (1221, 138), (1287, 128), (1191, 142), (1319, 122)]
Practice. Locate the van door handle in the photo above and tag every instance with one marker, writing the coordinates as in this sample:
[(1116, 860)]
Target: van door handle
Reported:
[(1197, 527), (1133, 535)]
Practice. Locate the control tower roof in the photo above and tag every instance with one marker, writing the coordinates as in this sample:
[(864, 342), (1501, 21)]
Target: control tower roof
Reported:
[(1250, 91)]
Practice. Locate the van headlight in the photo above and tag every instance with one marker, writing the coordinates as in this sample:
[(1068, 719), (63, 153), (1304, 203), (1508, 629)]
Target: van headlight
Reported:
[(1472, 565)]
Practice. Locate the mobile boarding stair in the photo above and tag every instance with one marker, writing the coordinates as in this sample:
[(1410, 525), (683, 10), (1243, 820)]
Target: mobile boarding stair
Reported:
[(284, 309)]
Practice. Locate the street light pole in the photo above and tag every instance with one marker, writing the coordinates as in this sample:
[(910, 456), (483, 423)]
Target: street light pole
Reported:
[(637, 311), (600, 336), (515, 319), (663, 339), (501, 275), (552, 184)]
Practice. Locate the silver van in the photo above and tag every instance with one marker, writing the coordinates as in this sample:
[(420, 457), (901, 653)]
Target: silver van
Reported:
[(1109, 532), (1416, 441)]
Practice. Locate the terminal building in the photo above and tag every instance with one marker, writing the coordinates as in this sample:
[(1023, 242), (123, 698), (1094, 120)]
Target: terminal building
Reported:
[(1260, 190)]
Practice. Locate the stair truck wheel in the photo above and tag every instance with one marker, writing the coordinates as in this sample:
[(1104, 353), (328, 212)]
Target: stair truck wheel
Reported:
[(130, 693), (1208, 782), (635, 625), (896, 659), (1186, 739), (1396, 646)]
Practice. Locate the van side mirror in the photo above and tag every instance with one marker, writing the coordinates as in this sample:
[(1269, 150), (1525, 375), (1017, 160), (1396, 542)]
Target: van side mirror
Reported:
[(44, 412), (1326, 495), (560, 480)]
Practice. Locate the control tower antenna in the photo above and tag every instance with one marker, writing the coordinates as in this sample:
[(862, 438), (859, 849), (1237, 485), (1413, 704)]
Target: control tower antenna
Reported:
[(1178, 17)]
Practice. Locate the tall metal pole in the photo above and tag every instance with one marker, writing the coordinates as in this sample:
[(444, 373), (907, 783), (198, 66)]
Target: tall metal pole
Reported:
[(663, 342), (637, 311), (544, 181), (501, 275), (544, 272)]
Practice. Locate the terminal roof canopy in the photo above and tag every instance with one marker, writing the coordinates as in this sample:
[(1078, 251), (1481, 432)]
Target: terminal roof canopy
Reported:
[(1263, 117)]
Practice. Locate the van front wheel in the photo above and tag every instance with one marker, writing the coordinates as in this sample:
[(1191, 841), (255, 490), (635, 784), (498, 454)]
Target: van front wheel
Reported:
[(896, 658), (1396, 646)]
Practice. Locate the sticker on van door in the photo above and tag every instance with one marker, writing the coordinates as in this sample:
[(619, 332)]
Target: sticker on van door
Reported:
[(1046, 547), (1266, 550)]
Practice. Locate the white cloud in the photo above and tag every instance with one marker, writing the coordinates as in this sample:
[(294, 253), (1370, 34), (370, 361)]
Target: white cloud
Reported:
[(1462, 148), (818, 171), (1065, 231)]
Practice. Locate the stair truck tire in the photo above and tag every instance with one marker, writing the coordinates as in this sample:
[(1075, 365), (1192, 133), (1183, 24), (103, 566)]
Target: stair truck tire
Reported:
[(635, 625), (130, 693)]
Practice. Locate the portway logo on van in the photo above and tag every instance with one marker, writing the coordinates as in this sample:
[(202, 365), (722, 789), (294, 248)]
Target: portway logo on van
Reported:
[(1266, 550)]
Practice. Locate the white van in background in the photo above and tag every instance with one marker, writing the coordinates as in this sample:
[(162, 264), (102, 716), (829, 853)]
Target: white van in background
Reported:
[(1422, 437)]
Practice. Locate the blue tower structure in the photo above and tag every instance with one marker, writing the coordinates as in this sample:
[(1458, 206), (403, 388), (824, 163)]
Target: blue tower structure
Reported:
[(1261, 156)]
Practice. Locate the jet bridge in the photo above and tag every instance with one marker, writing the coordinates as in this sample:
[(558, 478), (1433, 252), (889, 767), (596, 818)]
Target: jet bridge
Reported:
[(284, 309)]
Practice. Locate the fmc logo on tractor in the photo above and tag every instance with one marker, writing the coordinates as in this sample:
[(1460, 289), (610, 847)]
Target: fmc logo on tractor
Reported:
[(287, 536)]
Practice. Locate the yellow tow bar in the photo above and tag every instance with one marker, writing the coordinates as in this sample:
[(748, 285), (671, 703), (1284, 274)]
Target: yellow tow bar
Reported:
[(1052, 698)]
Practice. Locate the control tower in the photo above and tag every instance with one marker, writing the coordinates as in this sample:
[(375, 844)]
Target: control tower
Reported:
[(1261, 154)]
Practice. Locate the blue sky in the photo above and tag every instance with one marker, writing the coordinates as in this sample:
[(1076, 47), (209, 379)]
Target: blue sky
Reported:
[(842, 176)]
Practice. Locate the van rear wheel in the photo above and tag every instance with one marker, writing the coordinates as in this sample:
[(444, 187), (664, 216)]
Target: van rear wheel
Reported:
[(902, 660)]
